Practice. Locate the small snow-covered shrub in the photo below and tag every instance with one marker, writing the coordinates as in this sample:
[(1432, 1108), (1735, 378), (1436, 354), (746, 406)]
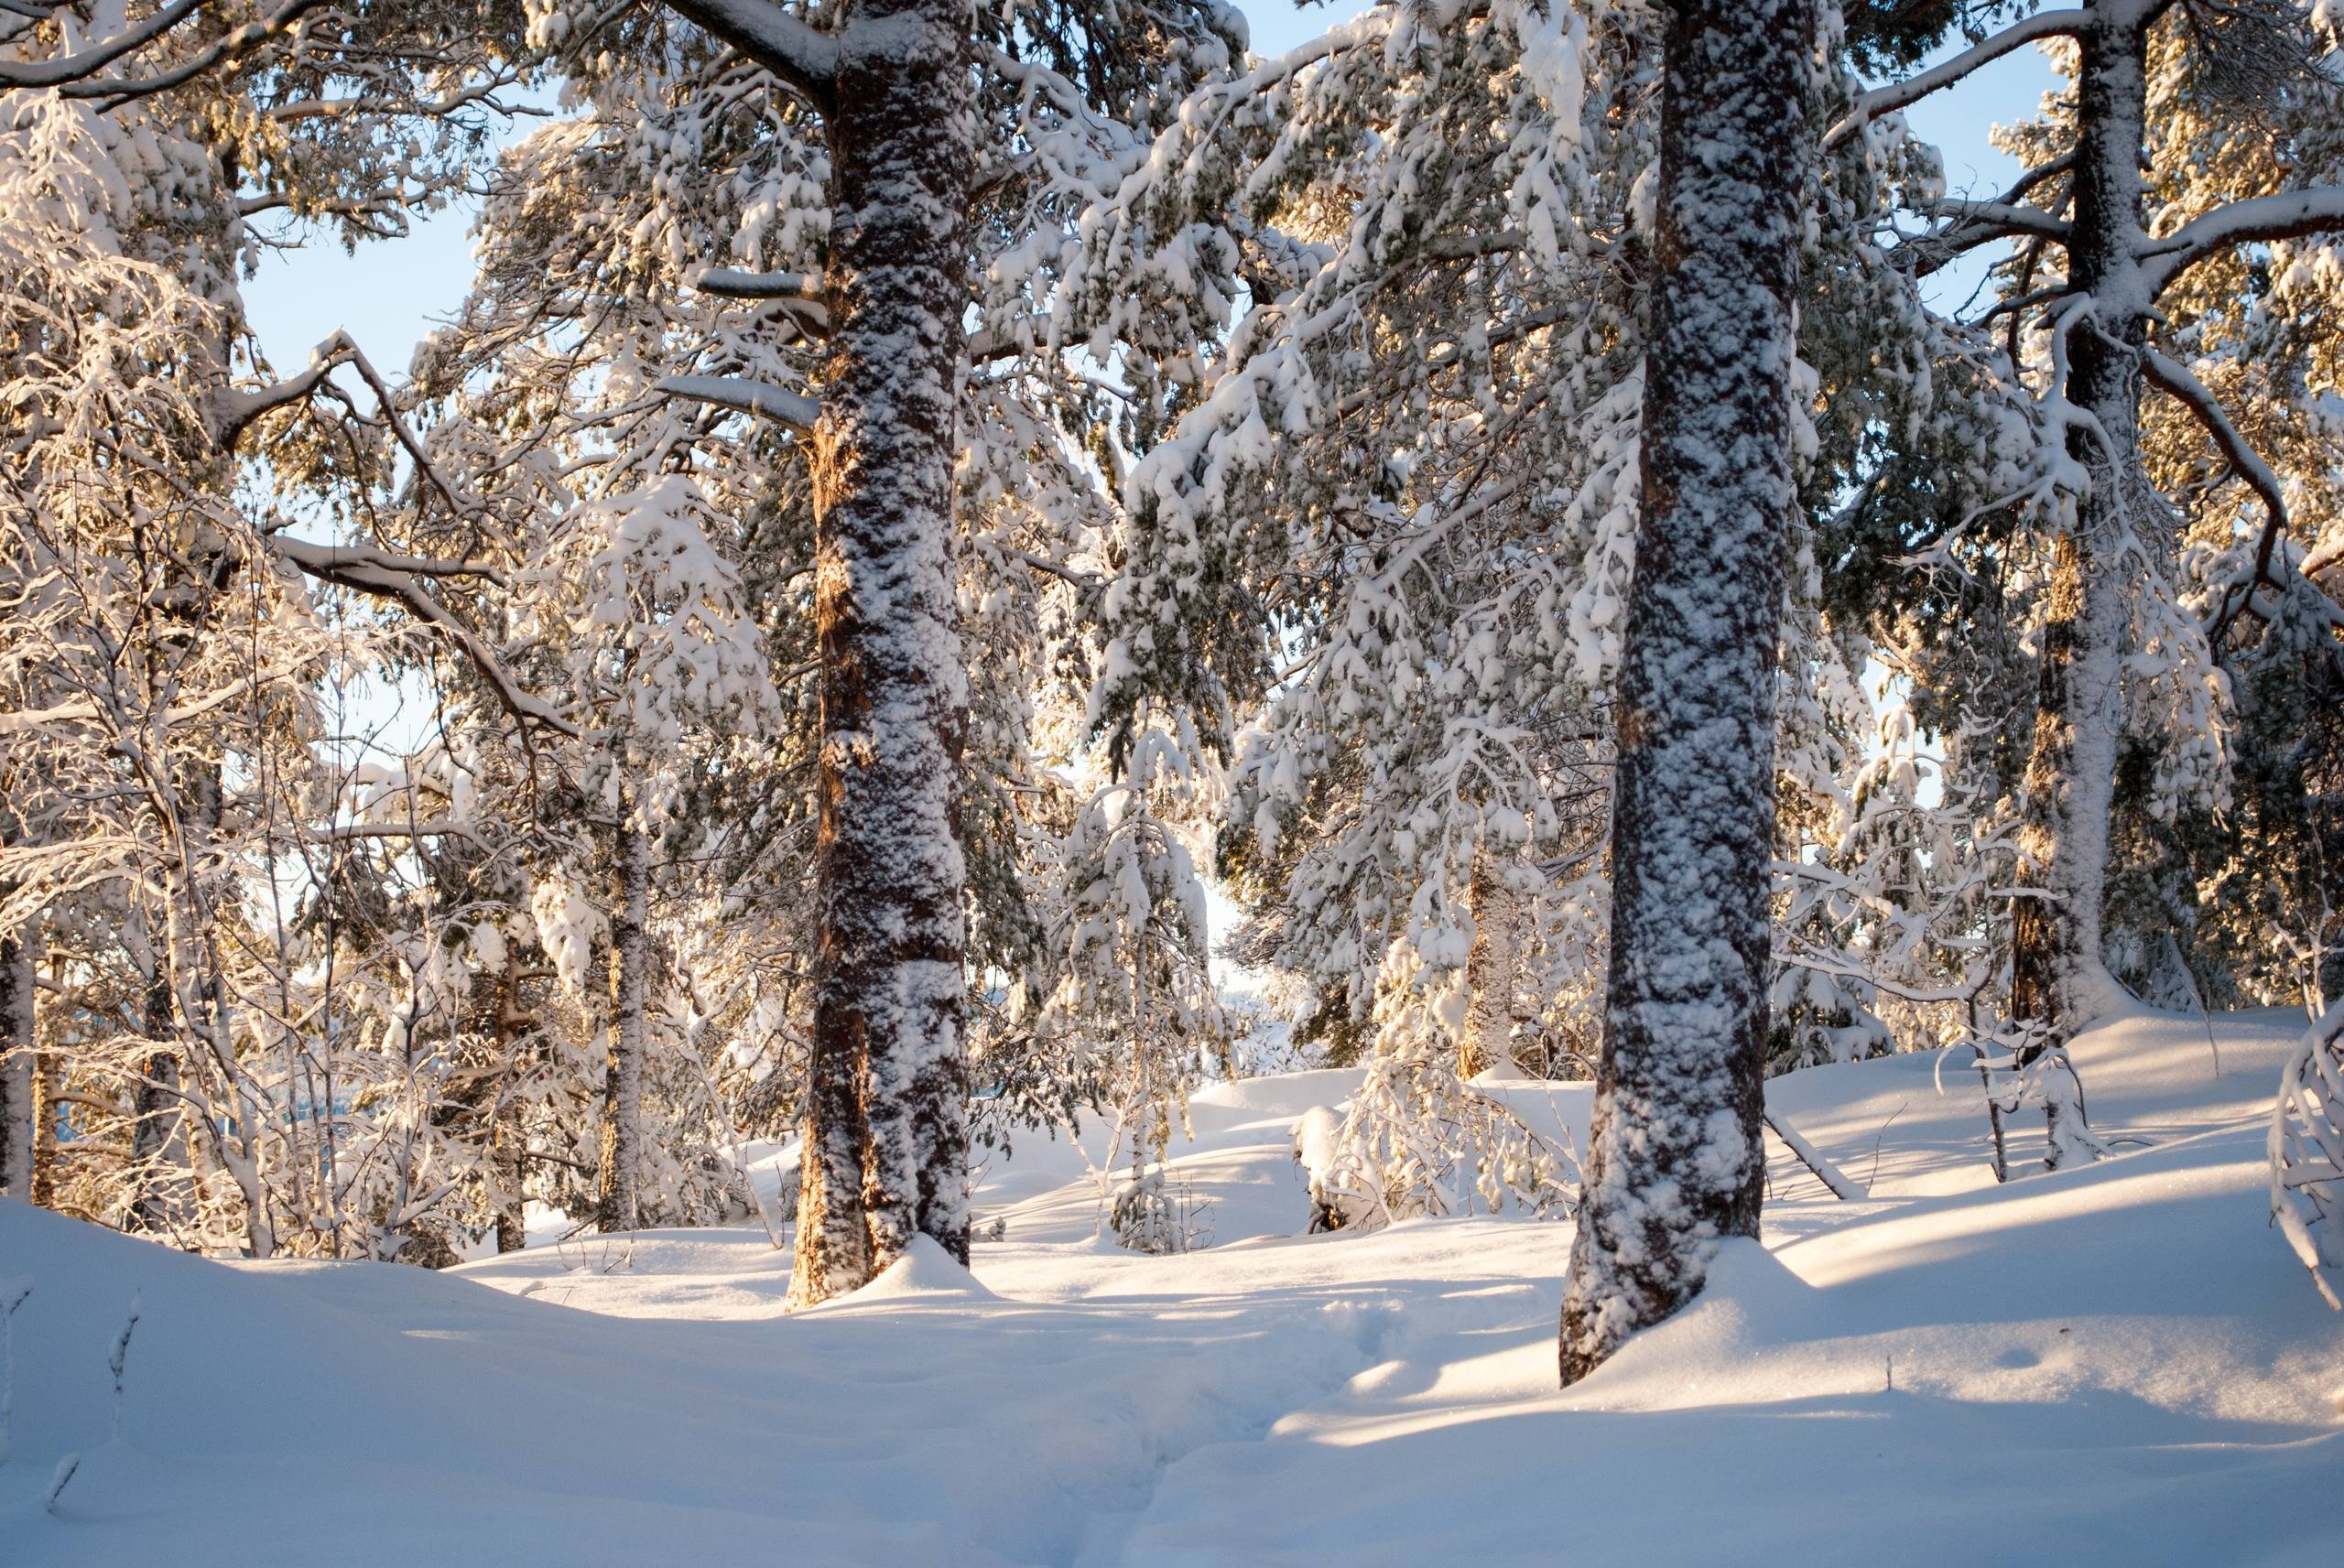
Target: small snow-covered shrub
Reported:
[(1420, 1139), (2306, 1150), (1154, 1211)]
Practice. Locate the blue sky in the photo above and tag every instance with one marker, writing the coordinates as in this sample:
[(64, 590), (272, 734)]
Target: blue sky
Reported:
[(389, 293)]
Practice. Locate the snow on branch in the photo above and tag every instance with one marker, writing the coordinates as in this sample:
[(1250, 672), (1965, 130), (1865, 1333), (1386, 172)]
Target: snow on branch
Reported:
[(91, 59), (2256, 221), (799, 294), (377, 577), (762, 398), (1983, 220), (800, 55), (1912, 90), (77, 74), (1970, 224), (1825, 1171), (731, 283), (229, 411)]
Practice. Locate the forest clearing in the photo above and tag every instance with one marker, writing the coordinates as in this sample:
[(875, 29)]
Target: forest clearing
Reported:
[(1096, 782)]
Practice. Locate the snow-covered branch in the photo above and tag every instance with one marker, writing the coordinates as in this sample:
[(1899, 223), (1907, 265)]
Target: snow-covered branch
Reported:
[(1979, 222), (1825, 1171), (77, 75), (2306, 1153), (1912, 90), (761, 398), (805, 58), (360, 572), (229, 411), (93, 58), (731, 283), (2256, 221)]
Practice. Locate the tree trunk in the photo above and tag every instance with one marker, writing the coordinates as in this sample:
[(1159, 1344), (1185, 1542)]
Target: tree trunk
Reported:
[(617, 1188), (507, 1139), (158, 1137), (892, 1163), (1678, 1158), (1489, 971), (507, 1152), (18, 1117), (2058, 979)]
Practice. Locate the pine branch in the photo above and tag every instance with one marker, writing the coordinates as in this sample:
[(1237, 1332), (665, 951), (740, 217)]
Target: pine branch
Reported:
[(349, 569), (116, 91), (1979, 223), (2244, 461), (228, 412), (772, 39), (2256, 221), (730, 282), (88, 61), (1897, 95)]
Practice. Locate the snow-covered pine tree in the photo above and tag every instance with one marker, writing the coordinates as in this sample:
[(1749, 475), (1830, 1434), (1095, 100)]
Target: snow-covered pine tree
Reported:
[(1678, 1162), (2102, 270), (1387, 533), (885, 1140), (1132, 1002), (818, 289), (2233, 804)]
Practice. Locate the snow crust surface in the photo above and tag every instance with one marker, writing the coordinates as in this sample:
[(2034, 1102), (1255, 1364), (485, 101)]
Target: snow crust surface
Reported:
[(2115, 1364)]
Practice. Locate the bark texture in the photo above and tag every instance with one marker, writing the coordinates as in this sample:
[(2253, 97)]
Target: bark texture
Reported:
[(1677, 1156), (886, 1142), (618, 1182)]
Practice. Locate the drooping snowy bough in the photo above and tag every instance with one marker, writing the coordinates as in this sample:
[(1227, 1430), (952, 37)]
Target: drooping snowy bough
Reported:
[(2307, 1153)]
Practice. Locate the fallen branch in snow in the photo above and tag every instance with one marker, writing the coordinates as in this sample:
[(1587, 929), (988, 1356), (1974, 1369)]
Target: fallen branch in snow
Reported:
[(1810, 1156), (12, 1296), (121, 1357), (59, 1480)]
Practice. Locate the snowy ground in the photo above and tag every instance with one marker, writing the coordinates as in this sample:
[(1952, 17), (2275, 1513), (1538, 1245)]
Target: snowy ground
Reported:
[(2119, 1365)]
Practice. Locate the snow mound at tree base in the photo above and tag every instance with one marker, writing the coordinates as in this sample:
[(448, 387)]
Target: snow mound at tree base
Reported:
[(925, 1271), (2115, 1364)]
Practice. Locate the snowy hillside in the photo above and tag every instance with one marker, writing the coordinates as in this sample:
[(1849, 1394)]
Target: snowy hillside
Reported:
[(2114, 1365)]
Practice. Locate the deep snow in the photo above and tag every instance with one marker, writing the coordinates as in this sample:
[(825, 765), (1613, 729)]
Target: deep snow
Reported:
[(2115, 1364)]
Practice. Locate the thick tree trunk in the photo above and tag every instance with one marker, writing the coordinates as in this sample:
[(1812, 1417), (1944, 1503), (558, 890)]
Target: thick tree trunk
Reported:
[(18, 1116), (1489, 971), (891, 1164), (1678, 1160), (618, 1200), (2058, 979)]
